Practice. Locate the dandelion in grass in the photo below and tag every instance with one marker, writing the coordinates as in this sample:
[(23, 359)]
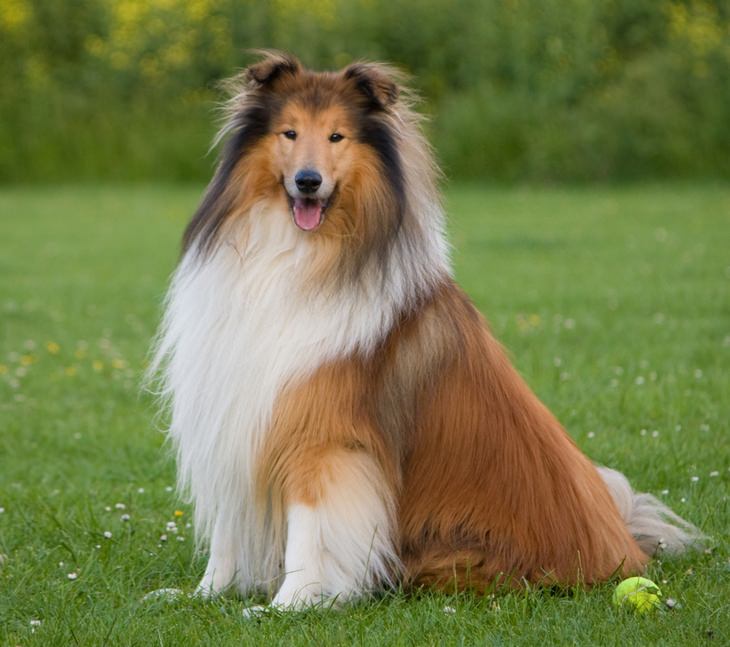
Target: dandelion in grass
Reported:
[(178, 513), (70, 371), (53, 348), (97, 365)]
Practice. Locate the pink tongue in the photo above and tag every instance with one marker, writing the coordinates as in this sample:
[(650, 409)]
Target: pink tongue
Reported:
[(307, 213)]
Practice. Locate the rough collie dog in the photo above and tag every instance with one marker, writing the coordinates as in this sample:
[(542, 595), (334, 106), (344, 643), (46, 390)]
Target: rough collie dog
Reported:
[(343, 417)]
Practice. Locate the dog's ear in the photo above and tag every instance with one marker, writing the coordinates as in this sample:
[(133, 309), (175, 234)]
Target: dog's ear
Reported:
[(377, 82), (272, 66)]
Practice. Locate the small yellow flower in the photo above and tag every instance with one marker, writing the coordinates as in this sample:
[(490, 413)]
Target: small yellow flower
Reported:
[(70, 371), (26, 360), (97, 365), (3, 369), (52, 347), (80, 353), (119, 363), (178, 513)]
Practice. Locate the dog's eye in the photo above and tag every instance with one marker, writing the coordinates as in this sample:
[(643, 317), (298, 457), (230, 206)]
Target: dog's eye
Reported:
[(336, 137), (290, 134)]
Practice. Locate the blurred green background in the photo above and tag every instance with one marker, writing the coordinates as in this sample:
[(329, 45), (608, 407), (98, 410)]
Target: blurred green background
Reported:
[(538, 90)]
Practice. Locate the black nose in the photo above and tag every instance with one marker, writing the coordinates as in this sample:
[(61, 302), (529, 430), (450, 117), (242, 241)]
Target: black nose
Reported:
[(308, 181)]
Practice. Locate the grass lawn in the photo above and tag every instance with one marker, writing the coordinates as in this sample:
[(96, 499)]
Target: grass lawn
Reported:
[(615, 305)]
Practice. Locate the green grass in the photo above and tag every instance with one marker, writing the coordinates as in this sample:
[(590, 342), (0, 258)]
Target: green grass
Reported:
[(614, 302)]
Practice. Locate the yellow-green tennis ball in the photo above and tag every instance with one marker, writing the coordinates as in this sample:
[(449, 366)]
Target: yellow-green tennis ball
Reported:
[(640, 594)]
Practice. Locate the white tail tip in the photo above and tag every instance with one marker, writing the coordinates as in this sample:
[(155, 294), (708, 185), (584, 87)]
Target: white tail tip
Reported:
[(656, 528)]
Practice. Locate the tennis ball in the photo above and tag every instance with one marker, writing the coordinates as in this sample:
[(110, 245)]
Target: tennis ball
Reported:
[(638, 593)]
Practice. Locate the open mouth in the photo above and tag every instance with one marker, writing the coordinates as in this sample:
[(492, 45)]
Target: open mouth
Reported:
[(308, 213)]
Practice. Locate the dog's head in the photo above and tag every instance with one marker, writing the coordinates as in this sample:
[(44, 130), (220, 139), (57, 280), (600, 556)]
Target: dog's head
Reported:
[(325, 146)]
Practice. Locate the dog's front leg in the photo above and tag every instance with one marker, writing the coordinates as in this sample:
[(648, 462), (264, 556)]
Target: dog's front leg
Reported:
[(340, 525), (221, 569)]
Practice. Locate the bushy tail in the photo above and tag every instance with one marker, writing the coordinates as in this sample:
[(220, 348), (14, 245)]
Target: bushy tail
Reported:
[(654, 526)]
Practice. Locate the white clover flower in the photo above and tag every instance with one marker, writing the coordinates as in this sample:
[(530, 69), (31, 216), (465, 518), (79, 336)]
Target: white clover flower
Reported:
[(108, 534), (125, 517), (120, 506), (72, 576), (163, 537)]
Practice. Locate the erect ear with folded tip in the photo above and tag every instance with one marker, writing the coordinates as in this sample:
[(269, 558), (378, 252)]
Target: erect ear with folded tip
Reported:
[(376, 82), (272, 66)]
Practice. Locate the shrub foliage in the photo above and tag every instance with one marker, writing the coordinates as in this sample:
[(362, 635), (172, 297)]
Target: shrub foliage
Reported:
[(519, 89)]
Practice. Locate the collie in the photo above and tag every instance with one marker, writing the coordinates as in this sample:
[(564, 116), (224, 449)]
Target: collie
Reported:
[(344, 419)]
